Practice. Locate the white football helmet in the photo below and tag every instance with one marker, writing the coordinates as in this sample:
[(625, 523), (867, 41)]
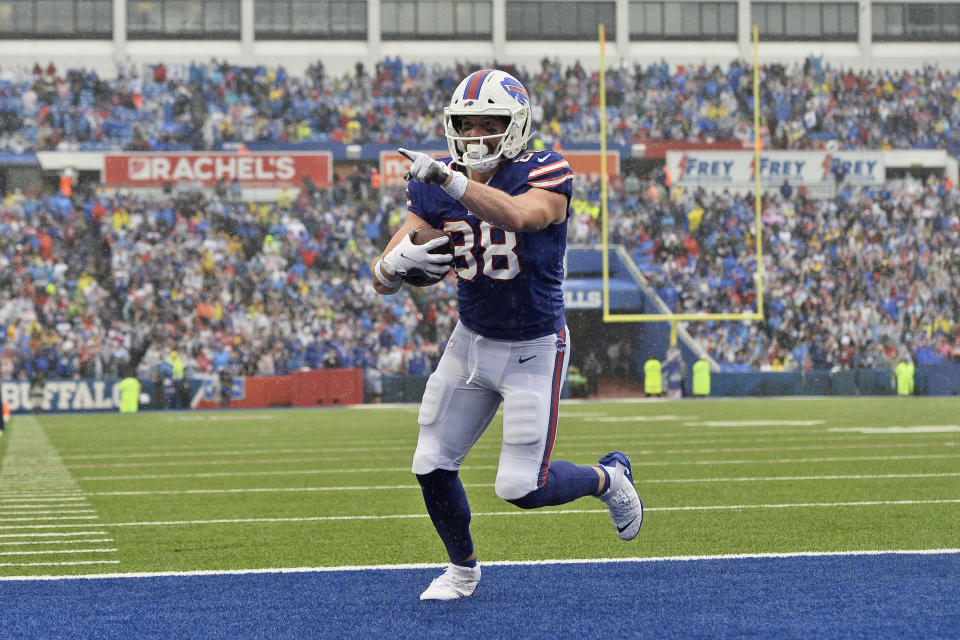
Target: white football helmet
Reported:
[(482, 93)]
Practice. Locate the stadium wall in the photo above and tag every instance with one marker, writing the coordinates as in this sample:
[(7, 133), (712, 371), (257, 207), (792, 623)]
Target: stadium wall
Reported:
[(343, 387), (316, 388)]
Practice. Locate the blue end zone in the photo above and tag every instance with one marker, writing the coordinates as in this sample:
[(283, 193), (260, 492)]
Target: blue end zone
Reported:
[(889, 596)]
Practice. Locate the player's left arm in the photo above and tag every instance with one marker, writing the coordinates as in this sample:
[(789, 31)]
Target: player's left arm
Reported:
[(533, 210)]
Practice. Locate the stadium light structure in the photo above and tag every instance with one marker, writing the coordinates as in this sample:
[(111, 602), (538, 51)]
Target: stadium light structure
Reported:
[(674, 318)]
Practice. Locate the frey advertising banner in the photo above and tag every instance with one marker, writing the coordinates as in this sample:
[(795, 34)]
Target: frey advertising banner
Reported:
[(254, 170), (737, 169), (582, 163)]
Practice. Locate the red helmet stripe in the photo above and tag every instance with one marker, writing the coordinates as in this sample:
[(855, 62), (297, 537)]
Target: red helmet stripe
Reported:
[(472, 92)]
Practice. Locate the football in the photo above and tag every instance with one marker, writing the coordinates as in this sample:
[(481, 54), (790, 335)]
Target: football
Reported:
[(419, 278)]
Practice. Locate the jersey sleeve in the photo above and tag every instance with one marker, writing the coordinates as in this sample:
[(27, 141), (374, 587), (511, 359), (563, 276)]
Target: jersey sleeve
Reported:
[(549, 170)]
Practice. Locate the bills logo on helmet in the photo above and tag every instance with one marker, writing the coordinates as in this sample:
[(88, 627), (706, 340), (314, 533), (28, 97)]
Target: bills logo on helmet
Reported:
[(515, 89)]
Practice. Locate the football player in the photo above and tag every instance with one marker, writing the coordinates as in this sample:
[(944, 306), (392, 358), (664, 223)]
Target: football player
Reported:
[(506, 208)]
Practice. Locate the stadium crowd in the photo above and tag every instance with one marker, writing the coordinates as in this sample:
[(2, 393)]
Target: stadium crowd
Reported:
[(93, 283), (205, 105), (260, 289), (851, 281), (855, 280)]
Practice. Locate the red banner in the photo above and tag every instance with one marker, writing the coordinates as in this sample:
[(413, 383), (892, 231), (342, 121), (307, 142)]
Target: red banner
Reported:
[(250, 169), (587, 163), (655, 149)]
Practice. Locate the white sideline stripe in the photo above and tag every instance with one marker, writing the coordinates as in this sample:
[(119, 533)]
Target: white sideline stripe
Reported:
[(387, 487), (57, 551), (65, 533), (649, 463), (494, 563), (73, 541), (554, 512), (53, 564)]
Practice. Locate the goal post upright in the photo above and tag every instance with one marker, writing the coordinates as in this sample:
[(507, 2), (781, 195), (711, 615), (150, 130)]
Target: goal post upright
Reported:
[(674, 318), (604, 222)]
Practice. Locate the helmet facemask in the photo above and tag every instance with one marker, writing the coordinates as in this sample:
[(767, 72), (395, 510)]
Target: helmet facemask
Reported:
[(488, 93)]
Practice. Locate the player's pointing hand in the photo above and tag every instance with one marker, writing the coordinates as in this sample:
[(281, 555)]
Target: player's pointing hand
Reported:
[(427, 170)]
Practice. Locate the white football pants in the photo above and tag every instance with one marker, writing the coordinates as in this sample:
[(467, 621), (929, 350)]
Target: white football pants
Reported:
[(474, 376)]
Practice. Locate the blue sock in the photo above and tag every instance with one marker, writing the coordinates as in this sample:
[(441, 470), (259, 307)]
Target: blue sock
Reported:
[(565, 483), (450, 512), (606, 481)]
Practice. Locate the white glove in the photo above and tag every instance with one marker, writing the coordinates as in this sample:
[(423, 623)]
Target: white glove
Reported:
[(427, 170), (407, 256)]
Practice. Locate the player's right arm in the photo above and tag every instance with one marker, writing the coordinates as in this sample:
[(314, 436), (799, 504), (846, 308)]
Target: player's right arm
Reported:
[(387, 269)]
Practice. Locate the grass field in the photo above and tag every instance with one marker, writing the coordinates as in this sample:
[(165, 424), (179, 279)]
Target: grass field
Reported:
[(106, 493)]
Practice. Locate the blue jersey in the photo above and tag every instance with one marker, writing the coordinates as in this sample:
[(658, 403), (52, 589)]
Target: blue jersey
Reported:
[(508, 283)]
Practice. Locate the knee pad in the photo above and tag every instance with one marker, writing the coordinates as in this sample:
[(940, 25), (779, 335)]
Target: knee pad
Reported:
[(524, 432), (523, 424), (432, 400), (426, 458)]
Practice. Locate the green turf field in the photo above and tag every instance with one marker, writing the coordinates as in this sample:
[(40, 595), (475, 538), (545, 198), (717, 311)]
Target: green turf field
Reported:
[(83, 494)]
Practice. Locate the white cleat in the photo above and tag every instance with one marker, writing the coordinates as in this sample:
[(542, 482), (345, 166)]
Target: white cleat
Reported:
[(455, 582), (621, 497)]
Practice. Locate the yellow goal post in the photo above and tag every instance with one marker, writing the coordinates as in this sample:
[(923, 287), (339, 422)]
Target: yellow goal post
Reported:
[(674, 318)]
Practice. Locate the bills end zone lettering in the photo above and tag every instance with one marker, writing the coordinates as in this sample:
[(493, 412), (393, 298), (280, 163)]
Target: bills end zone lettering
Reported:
[(249, 169)]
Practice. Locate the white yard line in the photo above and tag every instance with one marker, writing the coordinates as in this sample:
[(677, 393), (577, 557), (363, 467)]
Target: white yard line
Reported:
[(406, 469), (391, 487), (14, 505), (56, 551), (494, 452), (374, 446), (50, 518), (493, 563), (755, 423), (18, 543), (523, 513), (16, 497), (53, 564), (35, 483), (32, 512), (53, 535)]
